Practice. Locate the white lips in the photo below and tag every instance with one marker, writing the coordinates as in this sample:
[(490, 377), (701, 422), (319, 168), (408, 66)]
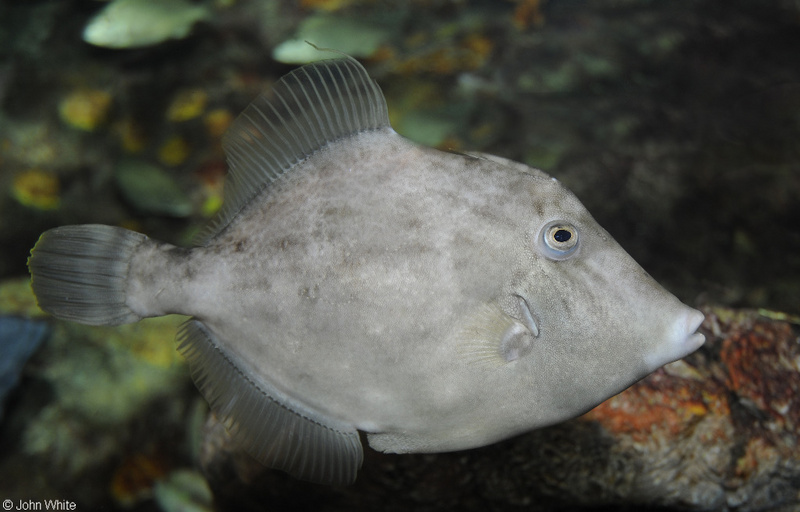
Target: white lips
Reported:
[(681, 340), (694, 340)]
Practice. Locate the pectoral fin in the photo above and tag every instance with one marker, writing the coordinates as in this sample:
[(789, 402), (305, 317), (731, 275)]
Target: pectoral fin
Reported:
[(493, 337)]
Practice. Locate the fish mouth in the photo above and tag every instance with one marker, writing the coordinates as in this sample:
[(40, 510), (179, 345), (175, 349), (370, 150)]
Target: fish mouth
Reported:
[(695, 339), (682, 339)]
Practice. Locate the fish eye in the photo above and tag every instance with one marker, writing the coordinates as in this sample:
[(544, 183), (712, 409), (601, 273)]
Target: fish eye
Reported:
[(559, 240)]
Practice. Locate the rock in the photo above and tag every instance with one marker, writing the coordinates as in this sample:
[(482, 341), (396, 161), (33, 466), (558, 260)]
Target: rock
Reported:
[(716, 431)]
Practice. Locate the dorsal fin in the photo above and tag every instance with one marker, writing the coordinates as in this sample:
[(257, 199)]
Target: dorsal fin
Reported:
[(309, 108)]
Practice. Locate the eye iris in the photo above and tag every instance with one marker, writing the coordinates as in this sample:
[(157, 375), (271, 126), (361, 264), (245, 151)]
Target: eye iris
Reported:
[(562, 235), (559, 240)]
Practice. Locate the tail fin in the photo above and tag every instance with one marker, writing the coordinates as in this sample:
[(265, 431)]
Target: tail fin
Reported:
[(80, 273)]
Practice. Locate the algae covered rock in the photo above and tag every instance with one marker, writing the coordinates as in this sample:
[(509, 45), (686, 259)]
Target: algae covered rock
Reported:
[(88, 397), (101, 380)]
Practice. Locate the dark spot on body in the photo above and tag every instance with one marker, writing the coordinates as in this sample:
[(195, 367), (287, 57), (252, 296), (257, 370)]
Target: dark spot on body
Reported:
[(176, 256), (175, 252), (239, 246), (414, 223), (339, 212), (180, 258)]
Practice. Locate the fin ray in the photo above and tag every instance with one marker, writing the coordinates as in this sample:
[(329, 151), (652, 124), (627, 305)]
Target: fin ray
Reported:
[(80, 273), (493, 338), (309, 108), (273, 431)]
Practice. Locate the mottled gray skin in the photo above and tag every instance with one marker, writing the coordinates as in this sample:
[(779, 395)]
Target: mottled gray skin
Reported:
[(355, 287)]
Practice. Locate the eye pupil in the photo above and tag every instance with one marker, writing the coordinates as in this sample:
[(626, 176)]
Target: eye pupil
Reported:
[(562, 235)]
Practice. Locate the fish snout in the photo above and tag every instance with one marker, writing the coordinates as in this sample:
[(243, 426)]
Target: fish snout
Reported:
[(681, 340), (692, 322)]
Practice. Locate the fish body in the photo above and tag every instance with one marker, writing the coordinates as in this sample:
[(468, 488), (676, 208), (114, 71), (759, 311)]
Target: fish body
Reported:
[(140, 23), (355, 280)]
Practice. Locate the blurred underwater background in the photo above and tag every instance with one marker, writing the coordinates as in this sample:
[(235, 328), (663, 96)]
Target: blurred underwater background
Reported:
[(677, 124)]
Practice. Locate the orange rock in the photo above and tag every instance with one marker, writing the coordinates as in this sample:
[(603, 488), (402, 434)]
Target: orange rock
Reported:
[(134, 478)]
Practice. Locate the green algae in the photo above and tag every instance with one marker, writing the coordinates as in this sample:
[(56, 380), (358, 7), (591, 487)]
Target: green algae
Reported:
[(102, 379)]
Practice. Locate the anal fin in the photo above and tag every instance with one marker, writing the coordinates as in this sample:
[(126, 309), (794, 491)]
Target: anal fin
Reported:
[(275, 432)]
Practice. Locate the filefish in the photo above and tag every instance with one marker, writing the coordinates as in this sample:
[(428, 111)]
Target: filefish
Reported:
[(356, 281), (140, 23)]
